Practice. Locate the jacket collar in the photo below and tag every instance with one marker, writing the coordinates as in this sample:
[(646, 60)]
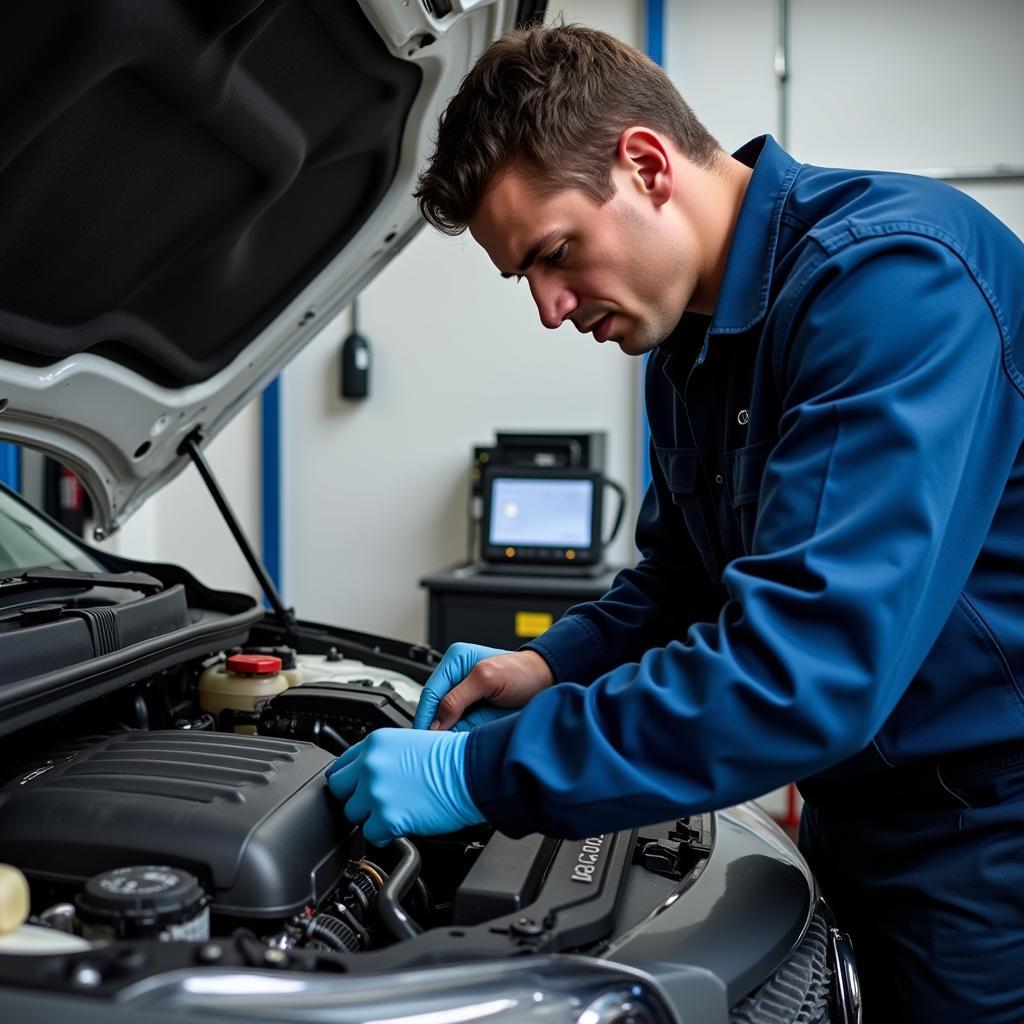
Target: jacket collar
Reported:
[(744, 292)]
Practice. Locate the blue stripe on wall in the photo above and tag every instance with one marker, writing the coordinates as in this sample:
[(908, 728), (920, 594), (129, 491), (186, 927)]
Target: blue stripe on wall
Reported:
[(654, 24), (10, 465), (270, 428)]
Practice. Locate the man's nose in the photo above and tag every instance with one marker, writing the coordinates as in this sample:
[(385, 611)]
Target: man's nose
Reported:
[(554, 302)]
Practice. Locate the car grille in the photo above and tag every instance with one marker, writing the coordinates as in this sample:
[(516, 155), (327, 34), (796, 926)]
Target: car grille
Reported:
[(798, 992)]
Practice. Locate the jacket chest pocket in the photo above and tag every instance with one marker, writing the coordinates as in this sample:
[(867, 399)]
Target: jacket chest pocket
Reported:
[(681, 469), (746, 471)]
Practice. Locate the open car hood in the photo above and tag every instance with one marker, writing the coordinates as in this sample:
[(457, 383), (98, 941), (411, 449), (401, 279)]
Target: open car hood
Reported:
[(189, 192)]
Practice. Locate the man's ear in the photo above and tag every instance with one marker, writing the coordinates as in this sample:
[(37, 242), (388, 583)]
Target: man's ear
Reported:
[(643, 154)]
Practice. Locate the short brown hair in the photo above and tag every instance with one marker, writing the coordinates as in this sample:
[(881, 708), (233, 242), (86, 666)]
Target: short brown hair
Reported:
[(553, 100)]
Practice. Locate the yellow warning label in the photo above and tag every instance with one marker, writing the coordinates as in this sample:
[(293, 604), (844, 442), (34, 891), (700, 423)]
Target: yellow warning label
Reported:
[(530, 624)]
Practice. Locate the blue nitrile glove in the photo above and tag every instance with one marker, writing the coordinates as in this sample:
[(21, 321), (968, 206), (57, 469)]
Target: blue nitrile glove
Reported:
[(456, 664), (453, 669), (399, 781)]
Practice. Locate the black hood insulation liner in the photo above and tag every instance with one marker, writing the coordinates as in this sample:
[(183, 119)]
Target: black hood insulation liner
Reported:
[(173, 174)]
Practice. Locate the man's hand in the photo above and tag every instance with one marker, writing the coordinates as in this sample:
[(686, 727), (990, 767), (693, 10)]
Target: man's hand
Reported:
[(457, 663), (469, 675), (398, 782)]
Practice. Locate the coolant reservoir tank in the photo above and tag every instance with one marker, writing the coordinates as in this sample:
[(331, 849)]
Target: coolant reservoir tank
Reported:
[(244, 682), (14, 898), (16, 937)]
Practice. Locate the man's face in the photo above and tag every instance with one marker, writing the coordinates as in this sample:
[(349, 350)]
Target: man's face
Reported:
[(619, 270)]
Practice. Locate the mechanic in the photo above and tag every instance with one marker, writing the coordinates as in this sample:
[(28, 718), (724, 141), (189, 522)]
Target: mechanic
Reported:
[(832, 544)]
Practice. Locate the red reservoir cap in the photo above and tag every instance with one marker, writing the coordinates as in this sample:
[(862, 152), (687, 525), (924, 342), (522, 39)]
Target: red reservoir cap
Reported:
[(254, 664)]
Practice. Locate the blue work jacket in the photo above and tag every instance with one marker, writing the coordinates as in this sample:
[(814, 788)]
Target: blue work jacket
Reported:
[(832, 570)]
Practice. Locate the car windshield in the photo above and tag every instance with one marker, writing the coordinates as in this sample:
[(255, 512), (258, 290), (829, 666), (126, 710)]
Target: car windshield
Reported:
[(27, 541)]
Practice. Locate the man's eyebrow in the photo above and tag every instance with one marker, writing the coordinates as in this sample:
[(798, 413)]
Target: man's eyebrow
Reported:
[(531, 254)]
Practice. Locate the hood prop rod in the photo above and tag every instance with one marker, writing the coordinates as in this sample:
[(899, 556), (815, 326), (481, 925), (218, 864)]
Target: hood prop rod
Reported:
[(190, 447)]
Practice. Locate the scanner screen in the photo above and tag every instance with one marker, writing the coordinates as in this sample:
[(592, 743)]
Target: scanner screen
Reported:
[(545, 513)]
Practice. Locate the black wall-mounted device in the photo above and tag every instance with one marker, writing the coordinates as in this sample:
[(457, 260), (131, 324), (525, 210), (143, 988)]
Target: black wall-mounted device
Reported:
[(355, 366)]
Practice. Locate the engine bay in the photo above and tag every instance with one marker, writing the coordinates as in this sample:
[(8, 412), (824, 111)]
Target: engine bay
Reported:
[(185, 818), (213, 782)]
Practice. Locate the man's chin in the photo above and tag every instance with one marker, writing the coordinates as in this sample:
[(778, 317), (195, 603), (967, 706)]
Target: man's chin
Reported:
[(632, 345)]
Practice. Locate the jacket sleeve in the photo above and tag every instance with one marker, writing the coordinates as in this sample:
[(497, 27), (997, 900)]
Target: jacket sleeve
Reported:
[(898, 432), (648, 605)]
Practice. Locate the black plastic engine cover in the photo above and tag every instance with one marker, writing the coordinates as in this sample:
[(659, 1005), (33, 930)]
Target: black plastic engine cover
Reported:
[(250, 816)]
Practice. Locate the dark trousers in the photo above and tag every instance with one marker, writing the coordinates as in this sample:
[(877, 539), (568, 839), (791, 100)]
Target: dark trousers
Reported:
[(923, 866)]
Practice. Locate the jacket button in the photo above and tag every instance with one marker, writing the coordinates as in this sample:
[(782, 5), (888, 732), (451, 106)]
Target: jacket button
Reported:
[(719, 479), (742, 416)]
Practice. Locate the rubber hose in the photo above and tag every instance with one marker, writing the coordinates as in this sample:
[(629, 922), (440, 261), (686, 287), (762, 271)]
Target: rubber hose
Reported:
[(389, 899)]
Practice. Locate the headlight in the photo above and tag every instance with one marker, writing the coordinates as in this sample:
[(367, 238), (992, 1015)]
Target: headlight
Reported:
[(847, 984), (624, 1006)]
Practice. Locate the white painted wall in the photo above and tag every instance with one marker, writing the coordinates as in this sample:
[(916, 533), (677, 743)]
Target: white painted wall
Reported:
[(899, 86)]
